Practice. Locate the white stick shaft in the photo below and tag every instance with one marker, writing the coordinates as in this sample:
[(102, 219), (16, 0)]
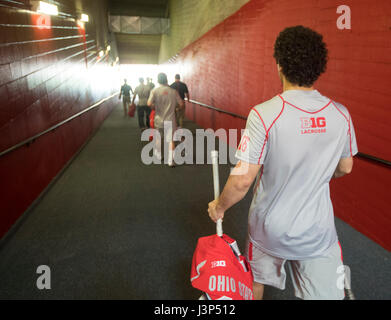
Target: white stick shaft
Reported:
[(216, 185)]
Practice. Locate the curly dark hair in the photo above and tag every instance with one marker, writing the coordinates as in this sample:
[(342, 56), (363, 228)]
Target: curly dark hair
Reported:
[(302, 55)]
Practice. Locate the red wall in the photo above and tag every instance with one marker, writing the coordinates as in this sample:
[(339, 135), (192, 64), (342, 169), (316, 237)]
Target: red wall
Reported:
[(44, 79), (232, 68)]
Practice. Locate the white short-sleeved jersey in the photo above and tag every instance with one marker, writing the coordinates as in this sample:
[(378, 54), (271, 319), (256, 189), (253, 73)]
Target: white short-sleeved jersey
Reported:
[(165, 100), (298, 137)]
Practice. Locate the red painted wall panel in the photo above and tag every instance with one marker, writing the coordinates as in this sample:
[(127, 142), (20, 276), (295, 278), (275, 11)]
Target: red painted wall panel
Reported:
[(232, 68), (44, 79)]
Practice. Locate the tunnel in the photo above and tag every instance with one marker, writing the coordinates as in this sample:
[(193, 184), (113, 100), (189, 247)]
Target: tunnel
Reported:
[(76, 196)]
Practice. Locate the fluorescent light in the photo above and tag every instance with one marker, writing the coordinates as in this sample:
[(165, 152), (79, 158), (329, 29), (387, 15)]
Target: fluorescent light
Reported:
[(47, 8), (84, 17)]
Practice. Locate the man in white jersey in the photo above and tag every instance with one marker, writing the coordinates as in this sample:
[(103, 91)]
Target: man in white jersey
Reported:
[(294, 144)]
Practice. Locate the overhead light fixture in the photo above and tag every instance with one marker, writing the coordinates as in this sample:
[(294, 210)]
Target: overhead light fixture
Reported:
[(46, 8), (84, 17)]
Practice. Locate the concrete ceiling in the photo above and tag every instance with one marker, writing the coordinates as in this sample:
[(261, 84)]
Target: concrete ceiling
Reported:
[(138, 49), (146, 8)]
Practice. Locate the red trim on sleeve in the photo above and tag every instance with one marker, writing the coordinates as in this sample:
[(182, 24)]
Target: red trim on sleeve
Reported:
[(263, 123), (263, 148), (282, 110), (266, 133), (350, 134), (268, 130)]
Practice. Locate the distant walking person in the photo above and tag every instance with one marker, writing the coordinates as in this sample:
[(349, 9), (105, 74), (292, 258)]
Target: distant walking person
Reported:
[(142, 91), (164, 100), (150, 83), (183, 93), (125, 95)]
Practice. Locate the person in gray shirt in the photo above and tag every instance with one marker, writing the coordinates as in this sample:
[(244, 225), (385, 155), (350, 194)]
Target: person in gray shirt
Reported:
[(293, 145), (164, 100)]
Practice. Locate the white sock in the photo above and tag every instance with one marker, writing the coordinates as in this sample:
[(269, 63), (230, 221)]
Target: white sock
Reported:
[(170, 157)]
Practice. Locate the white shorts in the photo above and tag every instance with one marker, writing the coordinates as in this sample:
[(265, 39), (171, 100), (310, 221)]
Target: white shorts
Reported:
[(314, 279)]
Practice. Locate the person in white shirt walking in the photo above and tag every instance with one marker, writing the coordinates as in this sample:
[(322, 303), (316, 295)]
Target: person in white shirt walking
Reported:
[(293, 144), (164, 100)]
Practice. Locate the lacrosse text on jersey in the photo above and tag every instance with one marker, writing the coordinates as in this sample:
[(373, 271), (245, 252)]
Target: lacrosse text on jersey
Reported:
[(228, 284)]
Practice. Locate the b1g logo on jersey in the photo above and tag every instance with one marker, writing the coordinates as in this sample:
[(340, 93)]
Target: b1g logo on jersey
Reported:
[(313, 125)]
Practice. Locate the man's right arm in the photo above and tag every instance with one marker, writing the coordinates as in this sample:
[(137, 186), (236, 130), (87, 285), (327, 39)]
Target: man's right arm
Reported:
[(344, 167)]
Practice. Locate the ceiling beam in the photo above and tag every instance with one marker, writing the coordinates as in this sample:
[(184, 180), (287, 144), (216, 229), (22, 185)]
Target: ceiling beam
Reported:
[(157, 8)]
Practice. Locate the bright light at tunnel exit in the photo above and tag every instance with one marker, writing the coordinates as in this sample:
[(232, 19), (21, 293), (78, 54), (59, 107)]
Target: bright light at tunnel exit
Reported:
[(132, 72), (84, 17)]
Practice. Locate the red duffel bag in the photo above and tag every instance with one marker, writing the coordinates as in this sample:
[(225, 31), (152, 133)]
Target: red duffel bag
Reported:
[(132, 110), (152, 123), (152, 119)]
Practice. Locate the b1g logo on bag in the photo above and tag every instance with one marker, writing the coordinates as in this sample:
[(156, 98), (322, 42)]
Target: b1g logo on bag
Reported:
[(313, 125), (216, 264)]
